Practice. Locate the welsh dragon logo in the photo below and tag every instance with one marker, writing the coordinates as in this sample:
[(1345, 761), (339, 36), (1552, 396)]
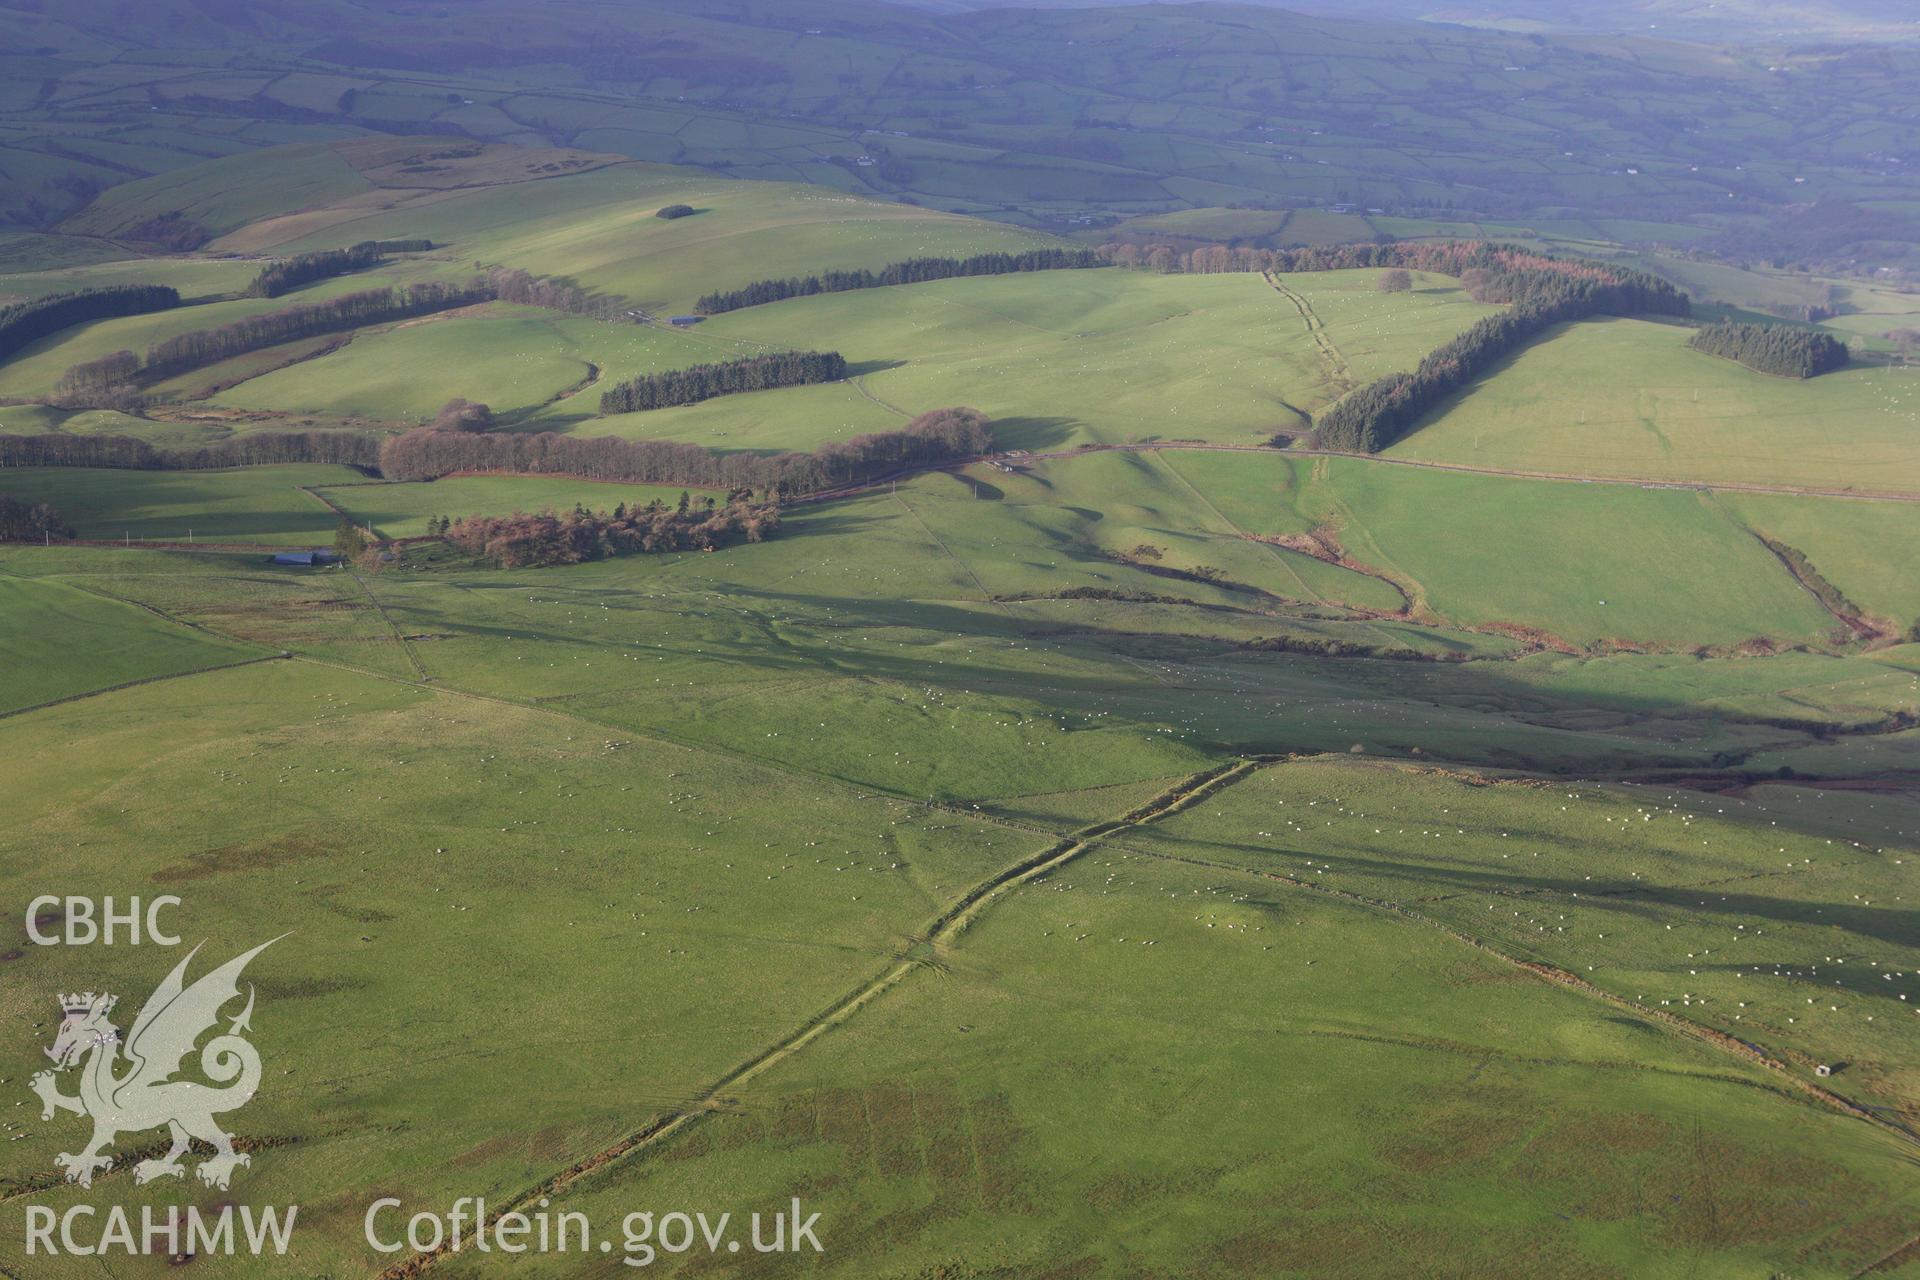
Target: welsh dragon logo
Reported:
[(135, 1090)]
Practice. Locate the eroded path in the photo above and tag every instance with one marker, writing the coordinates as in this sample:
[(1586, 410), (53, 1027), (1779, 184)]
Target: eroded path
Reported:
[(1339, 373)]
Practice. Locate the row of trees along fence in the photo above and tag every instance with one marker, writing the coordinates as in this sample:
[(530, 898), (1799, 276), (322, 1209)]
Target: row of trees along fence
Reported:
[(1541, 290), (942, 435), (348, 311), (705, 381), (28, 322), (1442, 257), (111, 382), (288, 274), (912, 271), (259, 448), (1774, 348)]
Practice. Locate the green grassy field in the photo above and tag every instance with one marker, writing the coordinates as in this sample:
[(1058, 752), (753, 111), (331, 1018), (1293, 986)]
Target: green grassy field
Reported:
[(193, 277), (256, 504), (224, 195), (1150, 861), (1582, 562), (1595, 882), (45, 623), (1682, 415), (35, 372), (678, 894), (837, 675), (511, 358), (1063, 358), (1073, 357), (40, 419), (1854, 545), (1061, 1060), (598, 229), (1489, 549)]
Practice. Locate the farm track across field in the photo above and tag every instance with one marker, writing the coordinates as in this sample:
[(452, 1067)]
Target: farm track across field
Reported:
[(1339, 372), (940, 933), (947, 928), (860, 385)]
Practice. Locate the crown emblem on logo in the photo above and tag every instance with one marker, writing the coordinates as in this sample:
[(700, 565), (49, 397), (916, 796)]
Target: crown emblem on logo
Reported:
[(126, 1093)]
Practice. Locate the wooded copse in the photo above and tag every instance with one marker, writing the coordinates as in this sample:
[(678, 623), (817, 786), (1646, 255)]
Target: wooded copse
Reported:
[(260, 448), (28, 322), (24, 521), (1541, 290), (911, 271), (107, 383), (521, 540), (1774, 348), (705, 381), (943, 435), (280, 277), (511, 284)]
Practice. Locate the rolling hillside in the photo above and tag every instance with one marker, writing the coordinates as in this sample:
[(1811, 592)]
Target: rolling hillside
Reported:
[(995, 781)]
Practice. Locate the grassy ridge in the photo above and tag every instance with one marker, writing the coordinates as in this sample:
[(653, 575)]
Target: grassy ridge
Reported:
[(598, 229)]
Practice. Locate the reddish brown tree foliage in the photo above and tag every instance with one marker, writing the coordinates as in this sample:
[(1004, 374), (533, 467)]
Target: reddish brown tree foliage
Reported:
[(461, 414), (106, 383), (22, 521), (522, 541)]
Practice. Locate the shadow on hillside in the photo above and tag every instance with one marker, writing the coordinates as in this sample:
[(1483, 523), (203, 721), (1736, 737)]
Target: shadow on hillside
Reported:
[(1033, 434), (1644, 902)]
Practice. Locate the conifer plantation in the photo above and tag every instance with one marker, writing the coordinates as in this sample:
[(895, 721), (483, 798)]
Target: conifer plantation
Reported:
[(26, 322), (1786, 350), (705, 381)]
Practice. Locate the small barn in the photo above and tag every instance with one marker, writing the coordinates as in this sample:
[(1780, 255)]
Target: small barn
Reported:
[(308, 558), (685, 322)]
